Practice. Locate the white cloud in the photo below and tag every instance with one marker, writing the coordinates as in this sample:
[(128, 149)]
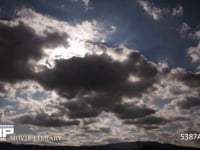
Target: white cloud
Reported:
[(86, 30), (194, 53), (152, 10), (79, 35), (113, 28), (86, 2), (177, 11), (158, 13), (183, 29), (120, 53)]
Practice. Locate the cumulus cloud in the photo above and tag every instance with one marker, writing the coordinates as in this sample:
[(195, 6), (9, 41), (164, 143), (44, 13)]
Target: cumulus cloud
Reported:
[(88, 85), (176, 84), (99, 73), (95, 83)]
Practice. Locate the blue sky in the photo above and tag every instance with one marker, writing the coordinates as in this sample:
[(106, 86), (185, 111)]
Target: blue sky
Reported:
[(99, 71)]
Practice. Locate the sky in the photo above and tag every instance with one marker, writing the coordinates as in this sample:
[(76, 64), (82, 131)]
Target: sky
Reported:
[(101, 71)]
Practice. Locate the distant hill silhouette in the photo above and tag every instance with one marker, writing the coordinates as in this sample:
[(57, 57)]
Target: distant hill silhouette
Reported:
[(116, 146)]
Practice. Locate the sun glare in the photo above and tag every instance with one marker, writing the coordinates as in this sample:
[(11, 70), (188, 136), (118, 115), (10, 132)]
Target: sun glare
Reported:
[(76, 49)]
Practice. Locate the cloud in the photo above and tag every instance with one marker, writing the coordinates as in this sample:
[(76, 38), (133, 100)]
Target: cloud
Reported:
[(152, 10), (178, 11), (191, 79), (192, 35), (154, 122), (188, 78), (95, 83), (83, 87), (19, 46), (105, 130), (183, 29), (150, 120), (188, 102), (131, 111), (194, 53), (101, 74), (82, 31), (79, 35), (80, 109), (86, 86), (41, 118), (159, 13), (86, 2)]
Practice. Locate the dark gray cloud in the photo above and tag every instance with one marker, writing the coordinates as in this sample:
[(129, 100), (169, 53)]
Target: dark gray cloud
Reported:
[(19, 44), (191, 79), (106, 130), (150, 120), (90, 73), (188, 78), (188, 102), (40, 118), (2, 88), (97, 83), (99, 73), (131, 111), (91, 85), (153, 122), (81, 109), (85, 109), (88, 121)]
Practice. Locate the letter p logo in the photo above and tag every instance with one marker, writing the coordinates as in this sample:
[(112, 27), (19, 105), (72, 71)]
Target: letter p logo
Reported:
[(5, 130)]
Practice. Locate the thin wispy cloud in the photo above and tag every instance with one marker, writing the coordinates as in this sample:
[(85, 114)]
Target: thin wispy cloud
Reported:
[(158, 13)]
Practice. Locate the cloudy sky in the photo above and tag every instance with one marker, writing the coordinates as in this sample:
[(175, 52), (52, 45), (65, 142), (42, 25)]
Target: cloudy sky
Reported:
[(101, 71)]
